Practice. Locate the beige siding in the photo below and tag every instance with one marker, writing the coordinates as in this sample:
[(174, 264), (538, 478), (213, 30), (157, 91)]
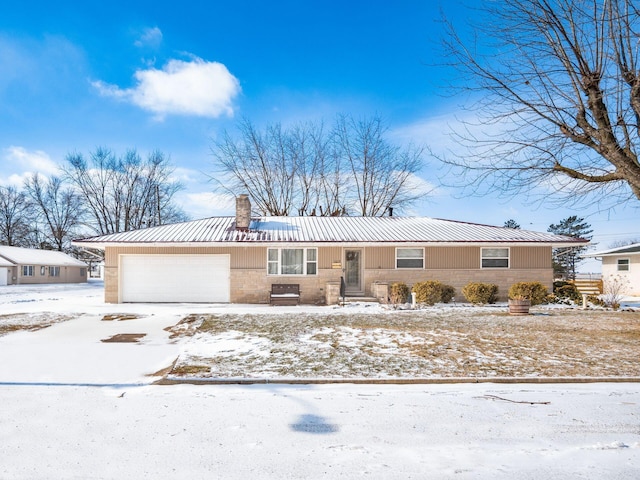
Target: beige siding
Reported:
[(67, 275), (531, 257), (455, 266), (440, 258), (243, 257), (328, 255), (452, 257), (379, 257)]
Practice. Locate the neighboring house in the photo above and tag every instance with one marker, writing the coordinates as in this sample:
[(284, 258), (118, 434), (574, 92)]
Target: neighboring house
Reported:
[(28, 265), (236, 259), (5, 271), (623, 262)]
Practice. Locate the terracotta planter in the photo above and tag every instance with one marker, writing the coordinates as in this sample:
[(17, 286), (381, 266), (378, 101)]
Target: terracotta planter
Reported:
[(519, 307)]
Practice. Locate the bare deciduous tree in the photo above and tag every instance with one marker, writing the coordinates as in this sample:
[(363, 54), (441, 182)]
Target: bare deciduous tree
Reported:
[(57, 208), (559, 99), (125, 193), (381, 173), (15, 217), (258, 163), (306, 170), (624, 243)]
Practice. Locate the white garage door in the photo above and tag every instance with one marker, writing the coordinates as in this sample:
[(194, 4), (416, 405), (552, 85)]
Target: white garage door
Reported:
[(4, 273), (174, 278)]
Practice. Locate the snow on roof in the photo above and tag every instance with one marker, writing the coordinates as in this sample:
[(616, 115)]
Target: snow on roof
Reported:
[(32, 256), (633, 249), (328, 229), (6, 263)]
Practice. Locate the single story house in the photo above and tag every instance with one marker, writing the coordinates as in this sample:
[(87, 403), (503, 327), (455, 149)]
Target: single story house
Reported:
[(237, 259), (623, 262), (28, 265)]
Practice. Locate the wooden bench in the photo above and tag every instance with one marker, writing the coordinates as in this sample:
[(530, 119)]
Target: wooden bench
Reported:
[(285, 294)]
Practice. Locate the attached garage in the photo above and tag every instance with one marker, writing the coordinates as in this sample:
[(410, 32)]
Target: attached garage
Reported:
[(174, 278)]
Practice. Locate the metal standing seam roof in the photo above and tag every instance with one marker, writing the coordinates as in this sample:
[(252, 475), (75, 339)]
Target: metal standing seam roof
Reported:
[(328, 229)]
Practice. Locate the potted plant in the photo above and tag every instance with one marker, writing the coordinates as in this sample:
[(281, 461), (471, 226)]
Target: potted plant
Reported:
[(524, 294), (519, 305)]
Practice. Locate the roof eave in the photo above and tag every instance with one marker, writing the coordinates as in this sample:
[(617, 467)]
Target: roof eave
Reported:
[(341, 243)]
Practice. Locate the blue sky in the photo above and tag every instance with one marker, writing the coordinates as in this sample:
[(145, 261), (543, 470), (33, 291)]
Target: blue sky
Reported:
[(77, 75)]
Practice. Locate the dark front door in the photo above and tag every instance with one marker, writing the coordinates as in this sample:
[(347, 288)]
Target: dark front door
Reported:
[(353, 272)]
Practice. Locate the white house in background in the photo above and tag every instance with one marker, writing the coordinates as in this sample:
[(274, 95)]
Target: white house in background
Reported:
[(28, 265), (623, 262), (5, 271)]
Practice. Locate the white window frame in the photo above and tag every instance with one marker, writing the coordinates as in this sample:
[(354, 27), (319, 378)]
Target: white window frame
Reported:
[(627, 265), (306, 261), (508, 257), (410, 258), (54, 271), (28, 270)]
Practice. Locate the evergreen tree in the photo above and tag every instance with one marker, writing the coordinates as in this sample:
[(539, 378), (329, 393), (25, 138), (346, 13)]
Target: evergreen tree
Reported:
[(511, 223), (566, 259)]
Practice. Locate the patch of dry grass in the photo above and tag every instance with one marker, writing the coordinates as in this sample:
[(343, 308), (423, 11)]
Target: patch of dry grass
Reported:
[(120, 317), (405, 344), (29, 322)]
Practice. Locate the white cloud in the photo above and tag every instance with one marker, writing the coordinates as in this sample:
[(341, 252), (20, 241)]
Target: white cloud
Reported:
[(150, 37), (20, 162), (207, 204), (195, 87)]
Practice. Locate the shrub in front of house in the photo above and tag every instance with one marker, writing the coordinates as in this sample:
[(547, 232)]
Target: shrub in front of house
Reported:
[(534, 291), (448, 292), (480, 293), (432, 292), (398, 293), (596, 301), (566, 291), (429, 292)]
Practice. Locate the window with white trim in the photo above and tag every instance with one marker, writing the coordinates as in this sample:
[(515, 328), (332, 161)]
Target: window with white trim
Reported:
[(495, 257), (409, 257), (292, 261), (27, 270), (54, 271), (623, 264)]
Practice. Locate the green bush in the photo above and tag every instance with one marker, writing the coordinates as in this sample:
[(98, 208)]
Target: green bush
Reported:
[(480, 293), (566, 290), (534, 291), (596, 300), (432, 292), (448, 292), (399, 293)]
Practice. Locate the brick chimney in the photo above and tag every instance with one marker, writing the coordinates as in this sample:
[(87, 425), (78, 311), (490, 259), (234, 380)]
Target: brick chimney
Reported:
[(243, 212)]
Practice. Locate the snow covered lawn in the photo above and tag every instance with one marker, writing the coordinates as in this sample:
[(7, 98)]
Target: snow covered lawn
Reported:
[(447, 341), (358, 341), (75, 406)]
